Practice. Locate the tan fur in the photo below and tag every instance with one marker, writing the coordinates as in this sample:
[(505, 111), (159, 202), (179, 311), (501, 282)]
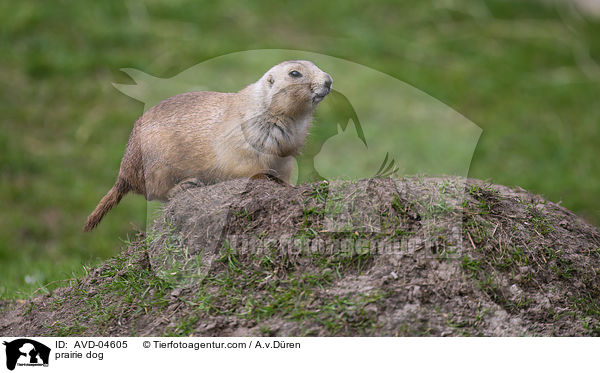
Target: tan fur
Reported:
[(213, 136)]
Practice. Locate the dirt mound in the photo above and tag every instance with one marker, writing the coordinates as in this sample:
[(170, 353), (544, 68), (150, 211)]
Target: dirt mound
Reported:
[(398, 257)]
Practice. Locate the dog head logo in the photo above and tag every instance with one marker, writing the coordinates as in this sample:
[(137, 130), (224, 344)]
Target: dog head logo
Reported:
[(26, 352)]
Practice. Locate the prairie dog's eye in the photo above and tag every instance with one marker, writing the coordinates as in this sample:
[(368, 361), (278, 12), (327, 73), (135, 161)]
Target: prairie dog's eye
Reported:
[(295, 74)]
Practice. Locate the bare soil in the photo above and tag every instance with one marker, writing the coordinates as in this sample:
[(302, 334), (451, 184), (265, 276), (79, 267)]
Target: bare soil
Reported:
[(375, 257)]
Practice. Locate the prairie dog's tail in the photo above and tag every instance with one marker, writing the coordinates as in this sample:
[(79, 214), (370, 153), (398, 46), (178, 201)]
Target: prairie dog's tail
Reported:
[(109, 201)]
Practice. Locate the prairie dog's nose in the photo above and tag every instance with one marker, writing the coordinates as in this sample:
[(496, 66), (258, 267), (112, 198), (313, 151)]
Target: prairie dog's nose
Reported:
[(328, 81)]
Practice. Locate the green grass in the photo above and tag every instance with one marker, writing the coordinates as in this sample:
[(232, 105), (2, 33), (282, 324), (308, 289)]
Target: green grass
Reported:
[(293, 297), (250, 289), (517, 69), (125, 289)]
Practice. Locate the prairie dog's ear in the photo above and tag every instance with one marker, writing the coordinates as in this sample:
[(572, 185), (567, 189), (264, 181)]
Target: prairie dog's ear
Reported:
[(270, 80)]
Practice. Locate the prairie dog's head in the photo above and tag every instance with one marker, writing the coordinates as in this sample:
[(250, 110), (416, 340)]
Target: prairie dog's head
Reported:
[(295, 87)]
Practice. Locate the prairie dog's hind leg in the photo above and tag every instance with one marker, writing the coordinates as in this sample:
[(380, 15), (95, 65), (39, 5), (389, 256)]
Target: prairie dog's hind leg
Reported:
[(192, 182)]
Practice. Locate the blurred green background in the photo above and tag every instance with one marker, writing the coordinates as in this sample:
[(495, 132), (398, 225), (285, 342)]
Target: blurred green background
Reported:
[(526, 72)]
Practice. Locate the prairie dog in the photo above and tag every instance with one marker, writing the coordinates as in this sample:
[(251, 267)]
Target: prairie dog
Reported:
[(213, 136)]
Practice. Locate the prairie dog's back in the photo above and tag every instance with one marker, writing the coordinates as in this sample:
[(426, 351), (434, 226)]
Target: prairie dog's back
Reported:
[(177, 138), (187, 109)]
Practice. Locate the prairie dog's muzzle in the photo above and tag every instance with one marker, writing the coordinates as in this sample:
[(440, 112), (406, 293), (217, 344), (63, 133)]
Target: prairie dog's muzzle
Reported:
[(322, 87)]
